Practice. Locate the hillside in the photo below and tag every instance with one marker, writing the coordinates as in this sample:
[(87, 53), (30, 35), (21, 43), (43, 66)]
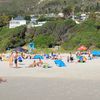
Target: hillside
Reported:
[(59, 32), (45, 6)]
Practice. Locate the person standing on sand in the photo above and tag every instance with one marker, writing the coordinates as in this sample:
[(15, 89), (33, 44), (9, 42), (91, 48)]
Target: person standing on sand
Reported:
[(16, 59), (0, 57), (11, 60), (68, 59), (71, 57)]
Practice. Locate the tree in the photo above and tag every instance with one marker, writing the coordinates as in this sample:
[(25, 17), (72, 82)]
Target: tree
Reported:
[(4, 20), (97, 6), (27, 18), (67, 12)]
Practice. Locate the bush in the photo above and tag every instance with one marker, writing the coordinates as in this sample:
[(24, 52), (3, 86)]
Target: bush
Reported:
[(11, 38), (43, 41)]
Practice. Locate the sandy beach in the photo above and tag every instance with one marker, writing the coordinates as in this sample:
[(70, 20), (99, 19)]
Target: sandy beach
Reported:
[(76, 81), (85, 71), (28, 88)]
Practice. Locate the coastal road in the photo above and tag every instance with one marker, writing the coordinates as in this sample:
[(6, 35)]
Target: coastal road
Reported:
[(28, 88)]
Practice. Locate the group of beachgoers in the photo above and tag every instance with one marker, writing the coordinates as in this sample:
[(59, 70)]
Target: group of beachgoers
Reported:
[(16, 57), (80, 56)]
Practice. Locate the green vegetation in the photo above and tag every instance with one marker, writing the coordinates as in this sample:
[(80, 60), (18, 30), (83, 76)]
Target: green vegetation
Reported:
[(43, 41), (4, 20), (58, 32), (85, 34), (11, 38)]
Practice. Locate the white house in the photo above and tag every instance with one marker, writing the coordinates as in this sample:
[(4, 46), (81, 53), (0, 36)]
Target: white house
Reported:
[(18, 21), (33, 19), (38, 24), (61, 15), (83, 17)]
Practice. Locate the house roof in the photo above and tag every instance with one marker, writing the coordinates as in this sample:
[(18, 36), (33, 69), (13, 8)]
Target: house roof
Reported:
[(19, 18)]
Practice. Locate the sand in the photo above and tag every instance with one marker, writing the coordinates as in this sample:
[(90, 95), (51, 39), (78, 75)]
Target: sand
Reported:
[(28, 88), (76, 81), (85, 71)]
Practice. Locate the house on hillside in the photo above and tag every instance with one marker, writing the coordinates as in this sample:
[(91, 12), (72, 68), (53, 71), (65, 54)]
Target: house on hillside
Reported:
[(18, 21), (33, 19), (34, 22), (38, 24), (61, 15), (83, 17)]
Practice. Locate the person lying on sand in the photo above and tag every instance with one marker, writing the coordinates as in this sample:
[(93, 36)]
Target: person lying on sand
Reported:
[(34, 64), (2, 80)]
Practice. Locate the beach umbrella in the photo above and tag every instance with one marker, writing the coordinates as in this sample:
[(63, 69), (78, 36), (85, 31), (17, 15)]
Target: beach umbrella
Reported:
[(96, 53), (59, 63), (38, 57), (82, 48), (20, 49)]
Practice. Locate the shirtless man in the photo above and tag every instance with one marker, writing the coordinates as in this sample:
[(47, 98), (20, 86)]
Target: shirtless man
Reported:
[(16, 59)]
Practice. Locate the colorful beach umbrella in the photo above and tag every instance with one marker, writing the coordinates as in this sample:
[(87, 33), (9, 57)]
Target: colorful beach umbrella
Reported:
[(96, 53), (38, 57), (82, 48)]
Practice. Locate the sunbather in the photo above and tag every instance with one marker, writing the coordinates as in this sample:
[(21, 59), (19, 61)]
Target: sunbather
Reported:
[(39, 63), (2, 80), (34, 64)]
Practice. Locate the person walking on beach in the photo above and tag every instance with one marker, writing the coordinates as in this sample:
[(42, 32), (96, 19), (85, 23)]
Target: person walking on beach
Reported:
[(16, 59)]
